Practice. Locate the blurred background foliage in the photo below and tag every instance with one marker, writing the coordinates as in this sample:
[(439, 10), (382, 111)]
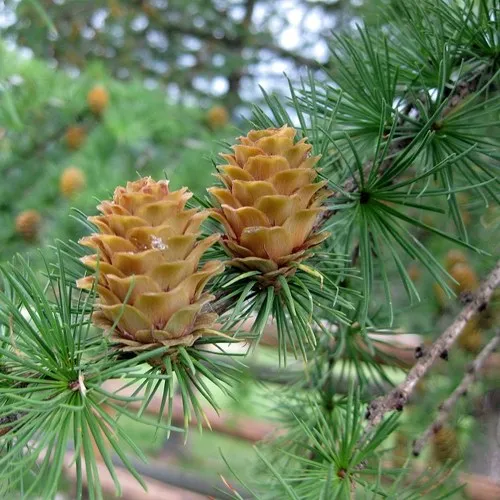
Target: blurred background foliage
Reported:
[(48, 128), (197, 50)]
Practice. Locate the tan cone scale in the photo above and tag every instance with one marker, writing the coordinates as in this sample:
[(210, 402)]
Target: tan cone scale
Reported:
[(270, 203), (150, 282)]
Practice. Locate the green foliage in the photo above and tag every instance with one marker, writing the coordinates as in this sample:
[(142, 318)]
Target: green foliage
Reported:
[(53, 367), (294, 304)]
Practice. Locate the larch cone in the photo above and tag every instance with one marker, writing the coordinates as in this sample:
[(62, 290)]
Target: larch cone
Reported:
[(270, 203), (150, 283)]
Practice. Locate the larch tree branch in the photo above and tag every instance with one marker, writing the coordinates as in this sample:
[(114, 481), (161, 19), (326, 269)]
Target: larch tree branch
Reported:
[(398, 397), (447, 406), (460, 92)]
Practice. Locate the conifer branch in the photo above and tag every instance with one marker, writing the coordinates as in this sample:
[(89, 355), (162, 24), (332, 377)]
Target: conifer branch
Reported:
[(398, 397), (447, 406), (461, 91)]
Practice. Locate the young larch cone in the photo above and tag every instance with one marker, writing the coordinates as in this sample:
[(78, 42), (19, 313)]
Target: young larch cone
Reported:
[(72, 181), (270, 204), (490, 317), (97, 99), (440, 296), (445, 445), (471, 338), (453, 257), (149, 279), (75, 137), (465, 277), (217, 116), (28, 224)]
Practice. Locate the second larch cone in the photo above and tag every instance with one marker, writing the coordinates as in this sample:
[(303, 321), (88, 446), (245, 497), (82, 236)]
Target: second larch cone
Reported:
[(270, 204), (471, 338), (149, 279)]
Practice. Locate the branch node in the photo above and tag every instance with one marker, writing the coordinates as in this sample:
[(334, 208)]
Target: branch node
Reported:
[(436, 427), (364, 197), (419, 352), (342, 473), (482, 306), (74, 385)]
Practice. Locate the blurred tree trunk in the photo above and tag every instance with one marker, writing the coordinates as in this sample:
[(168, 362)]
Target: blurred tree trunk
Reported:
[(232, 97)]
